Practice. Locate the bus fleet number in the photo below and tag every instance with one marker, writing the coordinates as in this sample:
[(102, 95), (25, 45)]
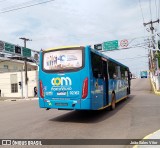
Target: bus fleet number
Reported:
[(74, 92)]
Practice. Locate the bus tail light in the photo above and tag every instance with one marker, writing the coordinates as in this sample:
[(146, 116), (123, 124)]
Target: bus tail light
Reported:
[(85, 88), (41, 89)]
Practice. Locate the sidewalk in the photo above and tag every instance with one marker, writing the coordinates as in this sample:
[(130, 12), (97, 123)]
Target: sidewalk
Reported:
[(17, 99)]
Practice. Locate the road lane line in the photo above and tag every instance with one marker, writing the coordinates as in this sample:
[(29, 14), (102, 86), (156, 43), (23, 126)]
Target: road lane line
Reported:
[(147, 137)]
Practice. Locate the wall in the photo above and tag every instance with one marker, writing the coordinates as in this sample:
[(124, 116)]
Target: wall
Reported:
[(15, 66), (5, 84)]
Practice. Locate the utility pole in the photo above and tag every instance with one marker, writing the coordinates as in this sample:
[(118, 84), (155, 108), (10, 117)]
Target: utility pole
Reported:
[(25, 67), (153, 41)]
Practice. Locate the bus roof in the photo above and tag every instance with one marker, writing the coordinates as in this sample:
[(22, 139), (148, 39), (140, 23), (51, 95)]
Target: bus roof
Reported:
[(105, 56), (62, 47)]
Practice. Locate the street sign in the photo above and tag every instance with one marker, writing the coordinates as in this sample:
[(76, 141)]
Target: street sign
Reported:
[(110, 45), (26, 52), (98, 46), (9, 47), (124, 43), (12, 49), (1, 45)]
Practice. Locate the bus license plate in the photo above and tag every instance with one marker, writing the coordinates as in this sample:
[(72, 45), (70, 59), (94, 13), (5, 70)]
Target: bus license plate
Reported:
[(61, 104)]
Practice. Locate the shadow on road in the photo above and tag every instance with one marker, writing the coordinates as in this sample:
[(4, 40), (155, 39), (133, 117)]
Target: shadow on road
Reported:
[(91, 116)]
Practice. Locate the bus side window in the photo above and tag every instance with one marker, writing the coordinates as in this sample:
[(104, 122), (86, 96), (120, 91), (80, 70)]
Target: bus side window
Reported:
[(114, 76), (123, 72), (95, 73), (126, 73), (118, 72), (96, 65), (112, 70)]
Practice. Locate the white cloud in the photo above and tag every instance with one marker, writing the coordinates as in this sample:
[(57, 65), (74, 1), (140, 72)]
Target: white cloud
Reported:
[(72, 22)]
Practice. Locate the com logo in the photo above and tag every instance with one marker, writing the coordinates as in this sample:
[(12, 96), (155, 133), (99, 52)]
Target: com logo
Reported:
[(63, 81)]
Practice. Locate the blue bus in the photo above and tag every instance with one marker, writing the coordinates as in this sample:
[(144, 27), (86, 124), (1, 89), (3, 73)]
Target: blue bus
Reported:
[(81, 78), (143, 74)]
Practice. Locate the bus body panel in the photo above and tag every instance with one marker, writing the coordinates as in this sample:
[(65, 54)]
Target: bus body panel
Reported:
[(97, 93), (119, 87)]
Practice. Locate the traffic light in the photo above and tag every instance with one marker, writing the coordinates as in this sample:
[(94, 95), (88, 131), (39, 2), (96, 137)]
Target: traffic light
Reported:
[(20, 84), (36, 56), (17, 49), (98, 46)]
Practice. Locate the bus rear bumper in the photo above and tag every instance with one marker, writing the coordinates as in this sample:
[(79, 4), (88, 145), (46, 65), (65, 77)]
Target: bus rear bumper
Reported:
[(78, 104)]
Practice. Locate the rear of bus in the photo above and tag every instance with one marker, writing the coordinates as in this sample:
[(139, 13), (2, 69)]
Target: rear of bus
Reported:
[(64, 79)]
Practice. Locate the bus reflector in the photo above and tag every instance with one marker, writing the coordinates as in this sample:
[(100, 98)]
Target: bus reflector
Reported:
[(41, 89), (85, 88)]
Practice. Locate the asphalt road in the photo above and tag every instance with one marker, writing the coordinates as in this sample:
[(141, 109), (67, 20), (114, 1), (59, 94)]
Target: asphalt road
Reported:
[(135, 118)]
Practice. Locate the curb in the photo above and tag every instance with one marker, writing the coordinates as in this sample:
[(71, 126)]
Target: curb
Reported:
[(147, 137), (29, 99)]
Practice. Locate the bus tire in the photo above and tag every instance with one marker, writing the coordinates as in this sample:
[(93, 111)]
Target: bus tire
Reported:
[(113, 102), (127, 93)]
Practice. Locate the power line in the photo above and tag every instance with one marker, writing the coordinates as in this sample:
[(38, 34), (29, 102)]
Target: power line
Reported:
[(14, 9), (156, 8), (17, 5), (150, 9), (132, 58), (157, 26), (141, 10), (25, 65)]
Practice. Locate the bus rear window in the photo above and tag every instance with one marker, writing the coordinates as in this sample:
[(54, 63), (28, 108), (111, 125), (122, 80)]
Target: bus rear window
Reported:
[(63, 59)]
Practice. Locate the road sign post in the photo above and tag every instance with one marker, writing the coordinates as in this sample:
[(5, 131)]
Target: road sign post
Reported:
[(26, 53)]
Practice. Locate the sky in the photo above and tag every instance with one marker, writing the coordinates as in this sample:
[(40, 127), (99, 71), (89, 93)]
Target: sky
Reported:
[(81, 22)]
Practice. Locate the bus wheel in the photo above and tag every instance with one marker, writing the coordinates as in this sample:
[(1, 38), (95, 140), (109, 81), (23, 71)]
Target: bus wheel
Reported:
[(126, 93), (113, 102)]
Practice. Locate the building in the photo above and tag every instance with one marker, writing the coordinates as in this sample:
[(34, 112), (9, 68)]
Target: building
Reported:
[(12, 77)]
